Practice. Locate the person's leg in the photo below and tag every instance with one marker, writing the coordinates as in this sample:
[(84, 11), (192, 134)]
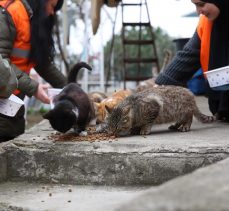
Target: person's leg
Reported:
[(11, 127), (223, 110), (213, 99), (213, 105)]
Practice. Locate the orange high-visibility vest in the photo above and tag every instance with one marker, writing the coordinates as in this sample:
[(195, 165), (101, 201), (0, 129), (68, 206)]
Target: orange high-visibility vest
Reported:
[(204, 29), (22, 46)]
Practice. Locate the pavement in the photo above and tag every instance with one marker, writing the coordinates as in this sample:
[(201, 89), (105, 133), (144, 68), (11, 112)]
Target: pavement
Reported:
[(163, 171), (58, 197)]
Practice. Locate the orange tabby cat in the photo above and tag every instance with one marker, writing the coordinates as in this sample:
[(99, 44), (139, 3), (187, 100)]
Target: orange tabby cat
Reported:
[(97, 96), (110, 102)]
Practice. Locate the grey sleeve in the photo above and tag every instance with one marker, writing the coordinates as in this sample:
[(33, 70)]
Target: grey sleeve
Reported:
[(52, 75), (8, 79), (183, 66)]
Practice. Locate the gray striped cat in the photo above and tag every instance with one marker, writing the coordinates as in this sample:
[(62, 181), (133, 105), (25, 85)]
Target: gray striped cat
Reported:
[(163, 104)]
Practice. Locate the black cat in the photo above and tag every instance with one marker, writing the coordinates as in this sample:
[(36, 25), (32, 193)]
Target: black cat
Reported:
[(72, 106)]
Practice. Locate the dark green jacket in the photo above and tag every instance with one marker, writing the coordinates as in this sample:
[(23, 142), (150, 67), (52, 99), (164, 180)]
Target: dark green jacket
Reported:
[(8, 79)]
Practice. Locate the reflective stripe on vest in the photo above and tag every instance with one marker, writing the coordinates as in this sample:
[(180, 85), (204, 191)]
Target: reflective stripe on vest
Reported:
[(204, 29), (17, 52)]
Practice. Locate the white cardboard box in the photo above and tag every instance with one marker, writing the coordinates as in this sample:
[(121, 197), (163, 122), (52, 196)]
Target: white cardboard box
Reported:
[(218, 79), (11, 105)]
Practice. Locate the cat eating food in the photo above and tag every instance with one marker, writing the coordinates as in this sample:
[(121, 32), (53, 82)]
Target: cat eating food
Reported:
[(72, 106), (163, 104), (110, 102)]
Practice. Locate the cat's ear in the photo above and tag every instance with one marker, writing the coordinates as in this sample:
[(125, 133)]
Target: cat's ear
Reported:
[(96, 105), (47, 115), (109, 110)]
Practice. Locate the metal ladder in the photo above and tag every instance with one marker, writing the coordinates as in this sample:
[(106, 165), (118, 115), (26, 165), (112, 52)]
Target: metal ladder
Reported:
[(141, 26)]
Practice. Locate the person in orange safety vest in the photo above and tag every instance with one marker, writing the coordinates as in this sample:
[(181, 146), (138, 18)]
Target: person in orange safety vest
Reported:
[(26, 42), (208, 49)]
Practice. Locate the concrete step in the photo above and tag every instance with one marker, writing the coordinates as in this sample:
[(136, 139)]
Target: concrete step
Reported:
[(59, 167), (134, 160), (25, 196), (129, 161), (205, 189)]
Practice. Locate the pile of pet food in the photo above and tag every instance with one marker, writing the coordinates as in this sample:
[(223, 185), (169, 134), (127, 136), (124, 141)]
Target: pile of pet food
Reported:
[(92, 136)]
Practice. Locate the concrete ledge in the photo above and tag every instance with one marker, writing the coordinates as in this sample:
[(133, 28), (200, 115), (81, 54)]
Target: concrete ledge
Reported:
[(3, 164), (205, 189), (135, 160)]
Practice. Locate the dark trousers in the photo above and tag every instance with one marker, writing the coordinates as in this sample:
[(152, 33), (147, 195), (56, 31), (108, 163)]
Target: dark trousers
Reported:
[(218, 102), (11, 127)]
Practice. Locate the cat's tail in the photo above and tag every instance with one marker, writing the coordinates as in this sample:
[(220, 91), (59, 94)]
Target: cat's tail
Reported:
[(202, 117), (72, 77)]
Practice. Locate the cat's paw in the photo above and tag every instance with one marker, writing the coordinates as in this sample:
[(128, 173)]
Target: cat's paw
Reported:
[(83, 133), (102, 128), (184, 128), (174, 127), (145, 130), (179, 127)]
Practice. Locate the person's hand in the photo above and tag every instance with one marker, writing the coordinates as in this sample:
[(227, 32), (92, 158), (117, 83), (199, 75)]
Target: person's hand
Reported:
[(41, 93)]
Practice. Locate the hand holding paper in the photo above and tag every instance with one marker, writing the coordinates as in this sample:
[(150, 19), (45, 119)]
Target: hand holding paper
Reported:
[(10, 106)]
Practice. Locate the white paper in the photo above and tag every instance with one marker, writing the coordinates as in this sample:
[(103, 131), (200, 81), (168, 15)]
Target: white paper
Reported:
[(218, 77), (11, 105)]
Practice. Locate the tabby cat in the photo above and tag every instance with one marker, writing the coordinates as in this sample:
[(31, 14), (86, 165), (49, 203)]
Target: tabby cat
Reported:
[(163, 104), (72, 106)]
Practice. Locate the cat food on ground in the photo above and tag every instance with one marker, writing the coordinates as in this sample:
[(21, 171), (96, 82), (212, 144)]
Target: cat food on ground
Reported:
[(92, 136)]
